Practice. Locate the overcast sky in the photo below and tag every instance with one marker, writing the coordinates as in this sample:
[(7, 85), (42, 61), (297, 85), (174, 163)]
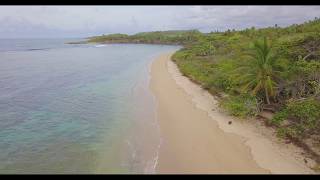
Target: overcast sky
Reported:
[(83, 21)]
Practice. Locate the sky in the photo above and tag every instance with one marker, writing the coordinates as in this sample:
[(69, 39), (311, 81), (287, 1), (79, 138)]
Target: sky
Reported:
[(84, 21)]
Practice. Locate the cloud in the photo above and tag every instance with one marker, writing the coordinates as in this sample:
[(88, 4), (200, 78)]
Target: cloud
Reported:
[(77, 21), (238, 17)]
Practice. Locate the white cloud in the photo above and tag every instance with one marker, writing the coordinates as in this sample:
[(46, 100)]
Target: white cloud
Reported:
[(59, 21)]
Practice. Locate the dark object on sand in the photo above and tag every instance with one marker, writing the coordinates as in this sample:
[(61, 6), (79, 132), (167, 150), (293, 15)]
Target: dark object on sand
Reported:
[(230, 122)]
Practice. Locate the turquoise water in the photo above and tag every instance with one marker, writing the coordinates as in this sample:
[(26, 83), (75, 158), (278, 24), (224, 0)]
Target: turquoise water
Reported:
[(77, 109)]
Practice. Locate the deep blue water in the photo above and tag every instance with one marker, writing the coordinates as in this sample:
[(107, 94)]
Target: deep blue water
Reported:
[(76, 108)]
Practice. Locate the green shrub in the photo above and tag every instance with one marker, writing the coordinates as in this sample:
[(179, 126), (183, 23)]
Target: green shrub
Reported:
[(279, 117), (223, 76), (223, 82), (283, 132), (241, 106), (303, 118), (306, 111), (203, 49)]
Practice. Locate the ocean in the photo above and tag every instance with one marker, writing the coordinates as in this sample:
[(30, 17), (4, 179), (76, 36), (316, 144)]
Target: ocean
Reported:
[(77, 108)]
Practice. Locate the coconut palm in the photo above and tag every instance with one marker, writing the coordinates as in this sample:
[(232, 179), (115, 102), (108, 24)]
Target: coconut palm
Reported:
[(260, 74)]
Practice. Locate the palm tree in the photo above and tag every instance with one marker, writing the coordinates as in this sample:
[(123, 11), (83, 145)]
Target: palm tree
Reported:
[(260, 73)]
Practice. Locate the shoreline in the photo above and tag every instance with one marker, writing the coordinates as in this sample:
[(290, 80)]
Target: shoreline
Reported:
[(197, 138), (155, 113)]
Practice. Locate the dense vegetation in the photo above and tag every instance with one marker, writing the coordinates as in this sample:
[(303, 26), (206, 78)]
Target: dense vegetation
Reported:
[(275, 69), (157, 37)]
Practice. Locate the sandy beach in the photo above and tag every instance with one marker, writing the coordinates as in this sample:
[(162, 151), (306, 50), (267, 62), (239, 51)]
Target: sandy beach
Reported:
[(196, 136)]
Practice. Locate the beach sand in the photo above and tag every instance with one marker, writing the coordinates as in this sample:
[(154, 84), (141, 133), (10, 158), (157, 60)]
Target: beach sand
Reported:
[(196, 136)]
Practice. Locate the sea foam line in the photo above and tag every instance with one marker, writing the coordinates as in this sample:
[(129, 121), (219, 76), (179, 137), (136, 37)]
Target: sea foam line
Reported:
[(156, 105)]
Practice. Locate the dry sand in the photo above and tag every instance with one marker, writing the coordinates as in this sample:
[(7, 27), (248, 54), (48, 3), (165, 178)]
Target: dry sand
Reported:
[(196, 136)]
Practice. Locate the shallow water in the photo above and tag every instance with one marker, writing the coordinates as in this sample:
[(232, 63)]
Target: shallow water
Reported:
[(77, 108)]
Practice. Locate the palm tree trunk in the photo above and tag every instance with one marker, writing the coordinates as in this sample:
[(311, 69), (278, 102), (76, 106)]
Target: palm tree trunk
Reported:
[(267, 96), (307, 55)]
